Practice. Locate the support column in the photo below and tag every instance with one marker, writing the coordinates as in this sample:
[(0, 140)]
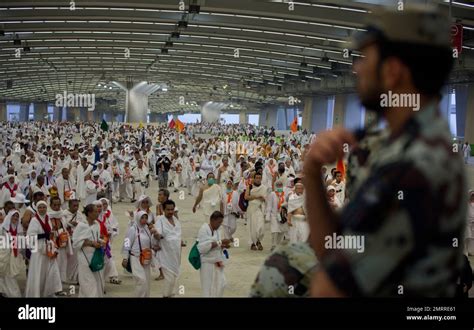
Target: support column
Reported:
[(462, 102), (243, 117), (281, 120), (77, 114), (41, 111), (153, 117), (24, 111), (90, 116), (3, 111), (73, 114), (468, 116), (340, 101), (162, 118), (57, 113), (445, 104), (70, 114), (270, 116), (307, 114), (83, 114), (319, 114), (353, 116), (99, 114)]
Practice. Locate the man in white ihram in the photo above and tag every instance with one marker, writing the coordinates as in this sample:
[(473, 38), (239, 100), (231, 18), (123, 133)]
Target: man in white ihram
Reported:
[(169, 228), (210, 248)]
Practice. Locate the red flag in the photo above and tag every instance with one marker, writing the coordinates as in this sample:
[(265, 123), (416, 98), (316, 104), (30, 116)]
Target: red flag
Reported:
[(294, 125), (172, 124), (341, 168)]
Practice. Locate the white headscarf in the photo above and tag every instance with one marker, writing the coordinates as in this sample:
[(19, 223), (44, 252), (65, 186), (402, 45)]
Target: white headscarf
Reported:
[(138, 216), (37, 205), (8, 219), (141, 199), (108, 204)]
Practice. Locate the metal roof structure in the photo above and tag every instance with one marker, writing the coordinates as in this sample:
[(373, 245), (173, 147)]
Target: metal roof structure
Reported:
[(246, 53)]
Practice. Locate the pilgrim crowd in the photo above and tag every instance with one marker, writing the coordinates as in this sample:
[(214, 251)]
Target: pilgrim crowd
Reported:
[(60, 181)]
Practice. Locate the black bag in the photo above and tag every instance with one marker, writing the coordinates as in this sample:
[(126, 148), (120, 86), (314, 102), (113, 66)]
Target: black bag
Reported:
[(129, 265), (243, 203), (283, 214)]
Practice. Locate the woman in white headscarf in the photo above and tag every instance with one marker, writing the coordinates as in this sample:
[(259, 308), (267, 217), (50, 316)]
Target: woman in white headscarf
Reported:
[(86, 239), (12, 263), (44, 278), (470, 224), (109, 228), (138, 252), (144, 204)]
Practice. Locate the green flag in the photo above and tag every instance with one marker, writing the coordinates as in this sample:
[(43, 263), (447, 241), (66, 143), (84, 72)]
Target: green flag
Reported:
[(104, 125)]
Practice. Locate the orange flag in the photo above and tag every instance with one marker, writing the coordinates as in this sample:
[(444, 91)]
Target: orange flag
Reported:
[(294, 125), (341, 168), (179, 125)]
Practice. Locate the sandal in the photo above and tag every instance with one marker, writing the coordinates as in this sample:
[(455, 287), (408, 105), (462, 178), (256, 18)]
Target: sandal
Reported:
[(61, 294), (253, 247), (115, 280), (159, 278)]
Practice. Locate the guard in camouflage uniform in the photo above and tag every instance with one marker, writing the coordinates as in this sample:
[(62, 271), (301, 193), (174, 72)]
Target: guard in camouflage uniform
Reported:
[(406, 185), (287, 272)]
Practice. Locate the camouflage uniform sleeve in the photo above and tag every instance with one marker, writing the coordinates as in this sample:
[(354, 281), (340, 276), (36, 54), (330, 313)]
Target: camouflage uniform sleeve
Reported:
[(287, 272), (390, 214)]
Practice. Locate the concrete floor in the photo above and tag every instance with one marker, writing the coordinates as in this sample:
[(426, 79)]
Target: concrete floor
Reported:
[(240, 271)]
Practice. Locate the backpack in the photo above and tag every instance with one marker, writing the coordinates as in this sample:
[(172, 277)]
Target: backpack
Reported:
[(243, 203)]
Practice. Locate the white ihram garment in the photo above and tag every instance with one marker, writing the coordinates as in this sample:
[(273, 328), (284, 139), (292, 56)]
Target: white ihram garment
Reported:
[(137, 236), (299, 231), (211, 201), (213, 280), (170, 253), (231, 208), (91, 284), (255, 214), (43, 273)]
